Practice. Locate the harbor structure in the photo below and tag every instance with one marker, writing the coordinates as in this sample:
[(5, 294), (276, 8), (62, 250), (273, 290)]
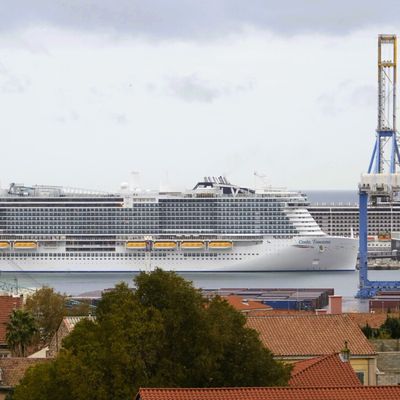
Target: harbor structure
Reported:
[(382, 182)]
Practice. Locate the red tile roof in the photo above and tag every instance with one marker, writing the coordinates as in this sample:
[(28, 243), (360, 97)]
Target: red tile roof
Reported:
[(278, 311), (70, 322), (274, 393), (245, 305), (7, 304), (13, 369), (310, 335), (374, 320), (325, 371)]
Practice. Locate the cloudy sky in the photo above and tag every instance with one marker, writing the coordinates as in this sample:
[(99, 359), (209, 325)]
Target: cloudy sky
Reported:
[(91, 90)]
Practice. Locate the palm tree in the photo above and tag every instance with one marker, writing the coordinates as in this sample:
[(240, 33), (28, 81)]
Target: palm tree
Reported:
[(20, 331)]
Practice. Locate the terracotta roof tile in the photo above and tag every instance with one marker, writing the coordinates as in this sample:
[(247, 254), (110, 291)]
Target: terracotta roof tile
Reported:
[(310, 335), (303, 364), (374, 320), (7, 304), (325, 371), (274, 393), (242, 304), (13, 369), (70, 322), (278, 311)]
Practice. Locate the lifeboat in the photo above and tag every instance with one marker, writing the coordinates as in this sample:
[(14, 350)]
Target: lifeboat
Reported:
[(25, 245), (164, 245), (384, 236), (4, 245), (136, 245), (220, 245), (192, 245)]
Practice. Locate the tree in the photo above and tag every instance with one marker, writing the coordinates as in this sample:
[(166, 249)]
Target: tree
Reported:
[(369, 332), (48, 308), (53, 383), (392, 327), (20, 331), (166, 334)]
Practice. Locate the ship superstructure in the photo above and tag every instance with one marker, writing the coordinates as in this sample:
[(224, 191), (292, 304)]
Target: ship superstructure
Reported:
[(216, 226), (343, 219)]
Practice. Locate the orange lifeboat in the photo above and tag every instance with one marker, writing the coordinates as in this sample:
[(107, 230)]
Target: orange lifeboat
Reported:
[(220, 245), (192, 245), (136, 245), (4, 245), (25, 245), (164, 245)]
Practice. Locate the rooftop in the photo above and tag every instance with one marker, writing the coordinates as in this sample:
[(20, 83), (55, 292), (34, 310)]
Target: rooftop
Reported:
[(7, 305), (244, 305), (70, 322), (327, 371), (374, 320), (310, 335), (274, 393), (13, 369)]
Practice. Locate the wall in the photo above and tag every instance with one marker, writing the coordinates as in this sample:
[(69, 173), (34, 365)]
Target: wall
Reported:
[(389, 368), (381, 345), (367, 366)]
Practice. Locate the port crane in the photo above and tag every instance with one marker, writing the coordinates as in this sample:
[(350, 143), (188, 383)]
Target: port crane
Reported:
[(382, 182)]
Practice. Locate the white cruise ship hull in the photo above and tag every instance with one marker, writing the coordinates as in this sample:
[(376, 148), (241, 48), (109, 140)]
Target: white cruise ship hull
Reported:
[(320, 253)]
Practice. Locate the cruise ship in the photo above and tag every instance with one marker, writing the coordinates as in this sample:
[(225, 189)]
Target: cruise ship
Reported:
[(215, 227), (342, 219)]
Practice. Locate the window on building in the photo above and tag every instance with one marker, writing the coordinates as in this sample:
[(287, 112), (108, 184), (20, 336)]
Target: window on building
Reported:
[(360, 376)]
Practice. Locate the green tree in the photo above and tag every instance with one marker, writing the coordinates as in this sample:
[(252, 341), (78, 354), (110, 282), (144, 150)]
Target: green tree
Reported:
[(48, 308), (392, 327), (369, 332), (165, 334), (53, 379), (79, 308), (20, 331), (240, 359)]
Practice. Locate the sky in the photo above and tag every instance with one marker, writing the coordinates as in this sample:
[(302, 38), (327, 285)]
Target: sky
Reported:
[(91, 90)]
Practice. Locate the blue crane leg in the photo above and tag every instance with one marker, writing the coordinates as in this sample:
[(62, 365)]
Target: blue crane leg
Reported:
[(363, 240)]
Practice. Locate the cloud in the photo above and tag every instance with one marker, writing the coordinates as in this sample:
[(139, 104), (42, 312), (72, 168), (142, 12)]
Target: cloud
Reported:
[(364, 95), (119, 118), (183, 19), (11, 83), (347, 95), (67, 116), (191, 88)]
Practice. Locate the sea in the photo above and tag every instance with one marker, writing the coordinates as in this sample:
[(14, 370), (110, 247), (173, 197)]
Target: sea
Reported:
[(345, 283)]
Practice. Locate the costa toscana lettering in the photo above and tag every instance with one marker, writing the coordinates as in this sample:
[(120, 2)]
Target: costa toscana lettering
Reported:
[(314, 241)]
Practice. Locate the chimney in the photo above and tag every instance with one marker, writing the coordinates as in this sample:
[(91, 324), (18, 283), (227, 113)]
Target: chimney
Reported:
[(345, 353), (335, 305)]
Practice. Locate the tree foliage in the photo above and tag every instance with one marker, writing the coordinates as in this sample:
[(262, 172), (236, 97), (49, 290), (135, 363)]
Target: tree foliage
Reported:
[(369, 332), (390, 329), (20, 331), (48, 308), (165, 334)]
